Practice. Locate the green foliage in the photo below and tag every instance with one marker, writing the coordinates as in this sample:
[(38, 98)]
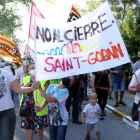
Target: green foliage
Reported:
[(89, 6), (10, 21), (120, 7), (127, 15)]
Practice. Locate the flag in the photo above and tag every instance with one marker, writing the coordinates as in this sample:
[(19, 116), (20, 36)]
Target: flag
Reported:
[(9, 49), (52, 1), (30, 51), (74, 14), (14, 61), (37, 13)]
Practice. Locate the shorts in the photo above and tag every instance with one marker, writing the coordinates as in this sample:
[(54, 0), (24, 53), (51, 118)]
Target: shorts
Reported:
[(90, 127), (82, 93), (118, 85)]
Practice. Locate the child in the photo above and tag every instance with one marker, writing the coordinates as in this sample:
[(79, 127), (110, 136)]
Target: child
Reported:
[(92, 111)]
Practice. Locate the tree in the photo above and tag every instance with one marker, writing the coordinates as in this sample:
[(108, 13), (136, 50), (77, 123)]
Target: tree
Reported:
[(130, 31), (118, 7), (89, 6), (10, 21)]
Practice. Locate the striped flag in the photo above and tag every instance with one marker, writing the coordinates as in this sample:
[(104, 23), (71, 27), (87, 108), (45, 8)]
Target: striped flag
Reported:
[(9, 49), (52, 1), (74, 14), (14, 61)]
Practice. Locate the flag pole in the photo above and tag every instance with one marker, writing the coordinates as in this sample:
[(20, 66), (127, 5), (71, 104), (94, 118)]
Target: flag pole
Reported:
[(29, 33)]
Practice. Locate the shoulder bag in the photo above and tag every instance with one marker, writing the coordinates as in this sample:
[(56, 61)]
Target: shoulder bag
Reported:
[(134, 111), (24, 111)]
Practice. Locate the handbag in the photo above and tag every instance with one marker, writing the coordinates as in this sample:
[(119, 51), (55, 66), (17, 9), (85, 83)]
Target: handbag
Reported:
[(134, 111), (24, 111)]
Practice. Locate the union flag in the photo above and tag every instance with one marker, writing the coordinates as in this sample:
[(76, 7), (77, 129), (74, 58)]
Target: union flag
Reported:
[(74, 14)]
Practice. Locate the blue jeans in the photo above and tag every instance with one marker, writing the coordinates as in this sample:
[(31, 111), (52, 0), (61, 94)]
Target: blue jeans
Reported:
[(7, 124), (139, 117), (12, 93), (57, 132), (118, 85), (85, 89)]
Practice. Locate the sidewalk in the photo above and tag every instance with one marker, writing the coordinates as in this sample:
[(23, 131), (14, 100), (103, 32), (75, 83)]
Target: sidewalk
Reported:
[(122, 112)]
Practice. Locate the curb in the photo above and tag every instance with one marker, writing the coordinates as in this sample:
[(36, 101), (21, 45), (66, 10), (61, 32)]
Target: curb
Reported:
[(123, 117)]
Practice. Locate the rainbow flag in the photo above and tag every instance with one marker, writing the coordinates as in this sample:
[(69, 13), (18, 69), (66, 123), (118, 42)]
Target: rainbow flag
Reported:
[(9, 49), (74, 14)]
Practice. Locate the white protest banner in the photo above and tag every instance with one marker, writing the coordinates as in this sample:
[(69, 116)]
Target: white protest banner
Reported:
[(91, 43)]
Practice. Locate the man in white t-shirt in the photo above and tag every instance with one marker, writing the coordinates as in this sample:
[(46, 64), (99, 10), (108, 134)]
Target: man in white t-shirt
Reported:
[(7, 112), (134, 88), (2, 65)]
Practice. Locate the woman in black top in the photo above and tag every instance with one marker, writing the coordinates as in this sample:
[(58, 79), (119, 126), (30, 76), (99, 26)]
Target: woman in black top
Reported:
[(102, 82)]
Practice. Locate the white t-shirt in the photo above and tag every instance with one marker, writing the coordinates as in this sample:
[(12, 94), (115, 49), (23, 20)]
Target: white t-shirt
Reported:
[(5, 97), (91, 113), (7, 68), (133, 83)]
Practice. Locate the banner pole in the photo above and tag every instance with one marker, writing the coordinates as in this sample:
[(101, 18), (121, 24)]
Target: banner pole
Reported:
[(36, 97)]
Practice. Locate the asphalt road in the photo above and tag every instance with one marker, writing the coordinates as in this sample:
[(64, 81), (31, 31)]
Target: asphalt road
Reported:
[(111, 128)]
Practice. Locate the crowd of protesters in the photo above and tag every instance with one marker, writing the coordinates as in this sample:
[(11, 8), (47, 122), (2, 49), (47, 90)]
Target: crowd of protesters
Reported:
[(51, 106)]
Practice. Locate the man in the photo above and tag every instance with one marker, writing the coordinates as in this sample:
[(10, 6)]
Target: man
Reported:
[(17, 65), (137, 64), (22, 71), (134, 88), (118, 77), (74, 92), (2, 65)]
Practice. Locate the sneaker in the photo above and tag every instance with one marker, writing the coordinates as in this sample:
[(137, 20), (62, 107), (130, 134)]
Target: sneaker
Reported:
[(116, 105), (121, 102), (103, 113), (87, 137), (102, 117)]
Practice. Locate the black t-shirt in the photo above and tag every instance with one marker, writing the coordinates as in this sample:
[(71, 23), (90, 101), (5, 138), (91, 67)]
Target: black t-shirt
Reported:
[(74, 89), (104, 78)]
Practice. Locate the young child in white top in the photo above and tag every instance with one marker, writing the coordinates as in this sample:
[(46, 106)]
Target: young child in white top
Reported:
[(92, 111)]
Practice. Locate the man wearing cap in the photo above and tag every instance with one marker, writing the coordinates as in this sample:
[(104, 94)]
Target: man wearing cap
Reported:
[(22, 71)]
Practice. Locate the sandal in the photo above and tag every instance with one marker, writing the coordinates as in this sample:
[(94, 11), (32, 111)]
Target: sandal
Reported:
[(110, 98)]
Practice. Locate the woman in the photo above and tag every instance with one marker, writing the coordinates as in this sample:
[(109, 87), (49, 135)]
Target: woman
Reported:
[(7, 112), (34, 120), (102, 81), (57, 113)]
